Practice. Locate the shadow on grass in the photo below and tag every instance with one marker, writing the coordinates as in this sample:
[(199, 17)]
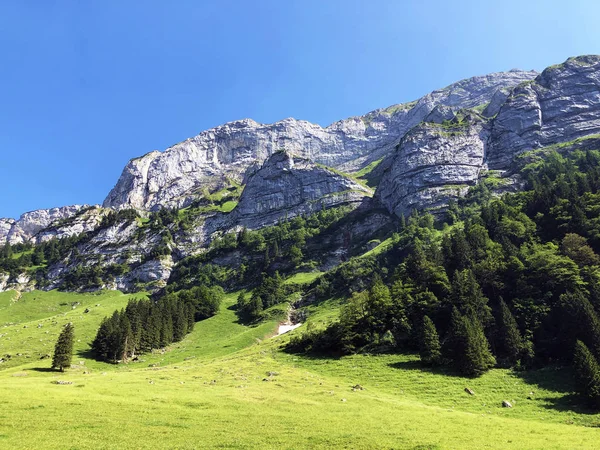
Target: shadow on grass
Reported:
[(569, 402), (416, 365), (87, 353), (44, 369), (559, 380)]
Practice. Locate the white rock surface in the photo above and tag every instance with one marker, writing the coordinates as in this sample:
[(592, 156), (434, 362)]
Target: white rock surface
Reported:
[(174, 177), (29, 224)]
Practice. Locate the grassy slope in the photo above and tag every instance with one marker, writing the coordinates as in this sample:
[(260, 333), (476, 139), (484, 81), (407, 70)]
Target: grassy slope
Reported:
[(209, 391)]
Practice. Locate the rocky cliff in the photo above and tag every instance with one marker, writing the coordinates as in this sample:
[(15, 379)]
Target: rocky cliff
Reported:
[(440, 158), (287, 186), (31, 223), (175, 176), (429, 152)]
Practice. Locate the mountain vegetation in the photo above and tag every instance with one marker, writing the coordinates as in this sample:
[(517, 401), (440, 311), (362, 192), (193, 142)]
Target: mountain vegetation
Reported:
[(510, 281)]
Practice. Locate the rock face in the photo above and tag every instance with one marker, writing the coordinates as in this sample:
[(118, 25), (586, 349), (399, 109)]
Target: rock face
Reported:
[(560, 105), (287, 186), (432, 150), (437, 161), (29, 224), (174, 177), (432, 164)]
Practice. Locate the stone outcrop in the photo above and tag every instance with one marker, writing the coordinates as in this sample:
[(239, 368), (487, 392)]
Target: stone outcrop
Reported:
[(432, 150), (438, 160), (432, 164), (560, 105), (31, 223), (175, 176), (288, 186)]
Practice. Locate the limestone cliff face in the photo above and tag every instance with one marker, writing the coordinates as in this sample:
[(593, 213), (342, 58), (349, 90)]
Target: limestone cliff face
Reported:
[(432, 164), (560, 105), (31, 223), (287, 186), (432, 151), (438, 161), (175, 176)]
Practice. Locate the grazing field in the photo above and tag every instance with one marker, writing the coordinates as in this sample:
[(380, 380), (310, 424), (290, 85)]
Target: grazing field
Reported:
[(230, 386)]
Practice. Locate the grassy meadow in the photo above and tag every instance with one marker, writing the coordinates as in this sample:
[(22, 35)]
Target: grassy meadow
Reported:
[(227, 385)]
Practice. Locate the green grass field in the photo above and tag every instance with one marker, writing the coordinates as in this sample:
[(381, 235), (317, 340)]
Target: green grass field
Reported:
[(230, 386)]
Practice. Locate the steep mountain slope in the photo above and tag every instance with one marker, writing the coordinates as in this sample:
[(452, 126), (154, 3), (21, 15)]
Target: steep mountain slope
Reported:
[(288, 186), (31, 223), (439, 159), (174, 177), (235, 176)]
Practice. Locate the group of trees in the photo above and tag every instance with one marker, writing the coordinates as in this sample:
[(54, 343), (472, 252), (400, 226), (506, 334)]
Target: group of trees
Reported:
[(145, 325), (511, 281), (269, 292), (15, 259)]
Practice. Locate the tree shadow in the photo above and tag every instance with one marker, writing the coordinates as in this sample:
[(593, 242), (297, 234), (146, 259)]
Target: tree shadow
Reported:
[(559, 380), (550, 378), (44, 369), (86, 353), (569, 402), (416, 365)]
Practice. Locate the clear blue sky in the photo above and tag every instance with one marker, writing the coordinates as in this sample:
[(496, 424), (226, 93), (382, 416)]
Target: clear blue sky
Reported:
[(87, 85)]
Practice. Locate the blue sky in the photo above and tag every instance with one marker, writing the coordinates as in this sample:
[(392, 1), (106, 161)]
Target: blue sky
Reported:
[(87, 85)]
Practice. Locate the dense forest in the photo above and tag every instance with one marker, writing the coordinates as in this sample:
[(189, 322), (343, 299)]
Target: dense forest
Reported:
[(511, 281)]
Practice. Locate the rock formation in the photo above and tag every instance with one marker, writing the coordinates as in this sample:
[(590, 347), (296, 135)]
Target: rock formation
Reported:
[(174, 177), (438, 161), (31, 223), (288, 186)]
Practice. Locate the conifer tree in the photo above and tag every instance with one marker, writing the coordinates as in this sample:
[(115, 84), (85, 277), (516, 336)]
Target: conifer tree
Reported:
[(190, 312), (476, 355), (509, 337), (166, 330), (468, 347), (468, 297), (587, 373), (63, 350), (430, 349)]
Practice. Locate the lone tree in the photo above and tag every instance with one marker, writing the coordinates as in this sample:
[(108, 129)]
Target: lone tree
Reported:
[(430, 343), (63, 350)]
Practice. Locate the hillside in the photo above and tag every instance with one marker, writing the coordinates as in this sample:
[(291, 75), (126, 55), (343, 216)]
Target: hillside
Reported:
[(437, 263)]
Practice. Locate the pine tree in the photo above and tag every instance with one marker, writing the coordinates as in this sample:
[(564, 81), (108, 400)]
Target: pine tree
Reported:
[(100, 345), (180, 323), (468, 297), (476, 356), (254, 308), (166, 330), (190, 313), (430, 349), (467, 345), (125, 340), (509, 337), (63, 350), (587, 373)]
